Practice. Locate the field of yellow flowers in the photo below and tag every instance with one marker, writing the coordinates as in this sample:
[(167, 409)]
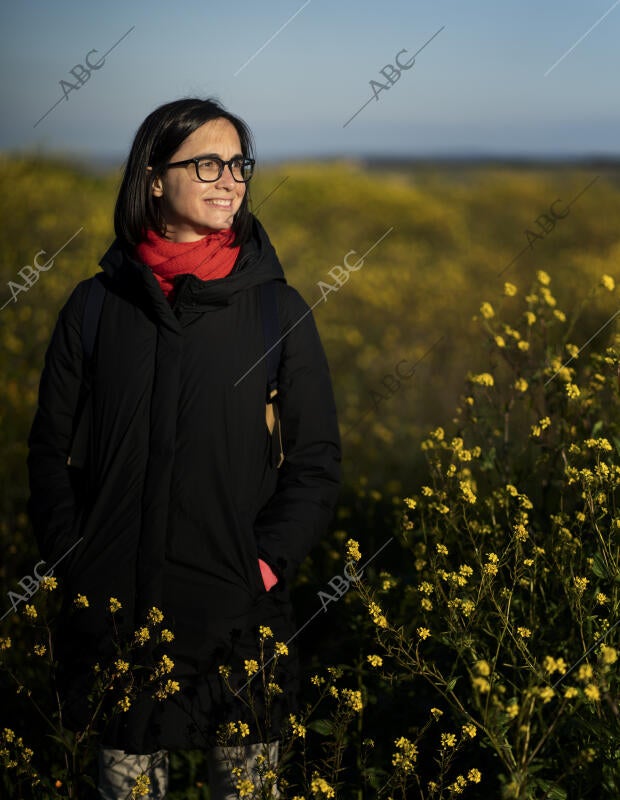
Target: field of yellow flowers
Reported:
[(468, 592)]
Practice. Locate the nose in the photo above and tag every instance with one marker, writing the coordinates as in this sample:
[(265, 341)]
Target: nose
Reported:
[(226, 179)]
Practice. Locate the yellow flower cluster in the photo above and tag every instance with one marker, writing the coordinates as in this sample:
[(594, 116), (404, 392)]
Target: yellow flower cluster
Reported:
[(552, 665), (154, 616), (375, 661), (448, 740), (114, 605), (320, 788), (49, 583), (251, 666), (124, 703), (142, 635), (353, 550), (296, 727), (141, 788), (245, 787), (170, 687), (81, 601), (353, 699), (377, 615), (405, 756), (483, 379)]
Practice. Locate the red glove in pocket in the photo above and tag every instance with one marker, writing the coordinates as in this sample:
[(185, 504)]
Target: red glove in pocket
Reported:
[(269, 577)]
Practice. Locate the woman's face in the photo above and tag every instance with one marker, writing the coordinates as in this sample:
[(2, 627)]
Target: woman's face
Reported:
[(191, 208)]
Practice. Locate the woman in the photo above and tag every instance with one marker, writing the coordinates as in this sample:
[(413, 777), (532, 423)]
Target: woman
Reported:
[(180, 505)]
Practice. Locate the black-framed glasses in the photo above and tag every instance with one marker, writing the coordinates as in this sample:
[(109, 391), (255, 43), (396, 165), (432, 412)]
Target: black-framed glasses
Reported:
[(210, 168)]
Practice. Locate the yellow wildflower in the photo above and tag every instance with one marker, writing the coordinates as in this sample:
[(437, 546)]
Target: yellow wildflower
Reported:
[(510, 289), (423, 633), (530, 317), (40, 649), (524, 633), (30, 611), (49, 583), (607, 282), (521, 385), (124, 703), (166, 635), (483, 668), (609, 655), (245, 787), (320, 787), (121, 666), (474, 775), (543, 278), (486, 309), (154, 616), (585, 673), (523, 345), (353, 550), (141, 788), (297, 728), (375, 661), (448, 739), (572, 391), (251, 666), (353, 699), (470, 730), (483, 379), (592, 692), (115, 605), (570, 692), (512, 709), (482, 685), (142, 635)]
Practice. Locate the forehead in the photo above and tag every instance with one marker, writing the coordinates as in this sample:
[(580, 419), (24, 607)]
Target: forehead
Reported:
[(216, 137)]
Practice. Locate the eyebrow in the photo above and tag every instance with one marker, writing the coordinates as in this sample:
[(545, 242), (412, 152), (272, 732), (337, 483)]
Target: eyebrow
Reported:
[(217, 155)]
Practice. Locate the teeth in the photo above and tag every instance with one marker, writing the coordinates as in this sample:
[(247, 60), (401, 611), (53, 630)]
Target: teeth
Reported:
[(223, 203)]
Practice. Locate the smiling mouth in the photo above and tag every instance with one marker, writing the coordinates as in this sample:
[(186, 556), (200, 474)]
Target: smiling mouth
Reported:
[(220, 203)]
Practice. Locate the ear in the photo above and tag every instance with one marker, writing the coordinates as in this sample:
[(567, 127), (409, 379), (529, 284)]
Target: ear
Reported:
[(157, 188)]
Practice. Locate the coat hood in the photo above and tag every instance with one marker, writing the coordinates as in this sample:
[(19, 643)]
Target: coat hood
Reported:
[(257, 263)]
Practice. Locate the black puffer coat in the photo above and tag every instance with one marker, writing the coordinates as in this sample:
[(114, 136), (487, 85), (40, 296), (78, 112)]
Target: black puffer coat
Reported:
[(178, 498)]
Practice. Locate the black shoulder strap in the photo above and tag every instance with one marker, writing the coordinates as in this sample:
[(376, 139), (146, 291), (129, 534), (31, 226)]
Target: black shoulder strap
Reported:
[(90, 323), (90, 319), (273, 351), (271, 333)]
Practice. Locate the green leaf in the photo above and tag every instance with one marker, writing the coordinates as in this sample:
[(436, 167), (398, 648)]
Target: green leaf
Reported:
[(324, 727)]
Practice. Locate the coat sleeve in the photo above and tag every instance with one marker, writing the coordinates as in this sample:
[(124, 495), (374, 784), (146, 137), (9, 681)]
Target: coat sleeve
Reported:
[(301, 508), (52, 502)]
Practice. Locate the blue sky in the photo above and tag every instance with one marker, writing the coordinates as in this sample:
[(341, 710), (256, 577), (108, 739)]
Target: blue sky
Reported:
[(478, 88)]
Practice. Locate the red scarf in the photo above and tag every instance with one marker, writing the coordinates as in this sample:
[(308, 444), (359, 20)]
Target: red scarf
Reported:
[(210, 257)]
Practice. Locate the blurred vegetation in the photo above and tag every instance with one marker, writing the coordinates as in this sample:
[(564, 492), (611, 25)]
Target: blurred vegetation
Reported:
[(456, 236)]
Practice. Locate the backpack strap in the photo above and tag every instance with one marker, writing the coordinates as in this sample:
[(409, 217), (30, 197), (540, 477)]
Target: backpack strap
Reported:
[(273, 351), (90, 324), (90, 319)]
